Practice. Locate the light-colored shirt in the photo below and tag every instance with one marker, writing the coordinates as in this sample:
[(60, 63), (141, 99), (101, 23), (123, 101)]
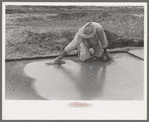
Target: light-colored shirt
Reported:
[(100, 35)]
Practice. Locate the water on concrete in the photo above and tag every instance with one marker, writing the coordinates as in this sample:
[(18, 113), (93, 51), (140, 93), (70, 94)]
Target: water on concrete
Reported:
[(76, 80)]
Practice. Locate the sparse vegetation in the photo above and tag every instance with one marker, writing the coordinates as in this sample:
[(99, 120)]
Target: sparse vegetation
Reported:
[(46, 30)]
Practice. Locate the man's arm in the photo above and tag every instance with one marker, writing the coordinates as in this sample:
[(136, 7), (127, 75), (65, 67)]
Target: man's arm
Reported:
[(71, 46), (63, 54), (104, 42)]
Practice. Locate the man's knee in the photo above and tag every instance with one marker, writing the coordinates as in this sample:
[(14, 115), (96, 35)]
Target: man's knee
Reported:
[(83, 55)]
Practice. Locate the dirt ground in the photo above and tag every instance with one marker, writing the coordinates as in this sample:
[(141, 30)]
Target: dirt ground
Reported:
[(37, 31)]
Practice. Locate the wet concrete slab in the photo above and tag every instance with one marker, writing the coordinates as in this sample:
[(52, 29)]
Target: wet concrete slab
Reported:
[(18, 86), (98, 80)]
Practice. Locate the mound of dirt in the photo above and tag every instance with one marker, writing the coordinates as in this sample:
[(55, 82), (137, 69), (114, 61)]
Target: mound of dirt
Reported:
[(54, 42)]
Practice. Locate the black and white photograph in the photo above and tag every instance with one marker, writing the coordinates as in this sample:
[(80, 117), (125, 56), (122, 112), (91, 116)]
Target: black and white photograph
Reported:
[(75, 56)]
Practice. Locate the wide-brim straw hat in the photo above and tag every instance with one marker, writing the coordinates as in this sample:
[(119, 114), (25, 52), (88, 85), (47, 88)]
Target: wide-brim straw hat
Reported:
[(88, 30)]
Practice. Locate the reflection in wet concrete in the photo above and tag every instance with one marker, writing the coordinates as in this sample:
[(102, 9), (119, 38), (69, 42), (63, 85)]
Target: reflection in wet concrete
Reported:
[(75, 80), (89, 80)]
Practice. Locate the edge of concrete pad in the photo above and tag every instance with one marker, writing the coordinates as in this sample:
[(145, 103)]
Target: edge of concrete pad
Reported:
[(135, 56), (74, 53)]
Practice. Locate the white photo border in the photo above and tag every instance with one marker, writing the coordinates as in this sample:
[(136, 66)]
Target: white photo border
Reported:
[(59, 110)]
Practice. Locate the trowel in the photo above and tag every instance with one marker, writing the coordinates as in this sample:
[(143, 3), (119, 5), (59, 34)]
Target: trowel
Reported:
[(55, 63)]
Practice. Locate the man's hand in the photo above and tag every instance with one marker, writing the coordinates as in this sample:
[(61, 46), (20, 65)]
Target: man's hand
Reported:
[(105, 55), (58, 60)]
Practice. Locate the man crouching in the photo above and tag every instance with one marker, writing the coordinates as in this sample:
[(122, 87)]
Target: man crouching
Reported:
[(91, 35)]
